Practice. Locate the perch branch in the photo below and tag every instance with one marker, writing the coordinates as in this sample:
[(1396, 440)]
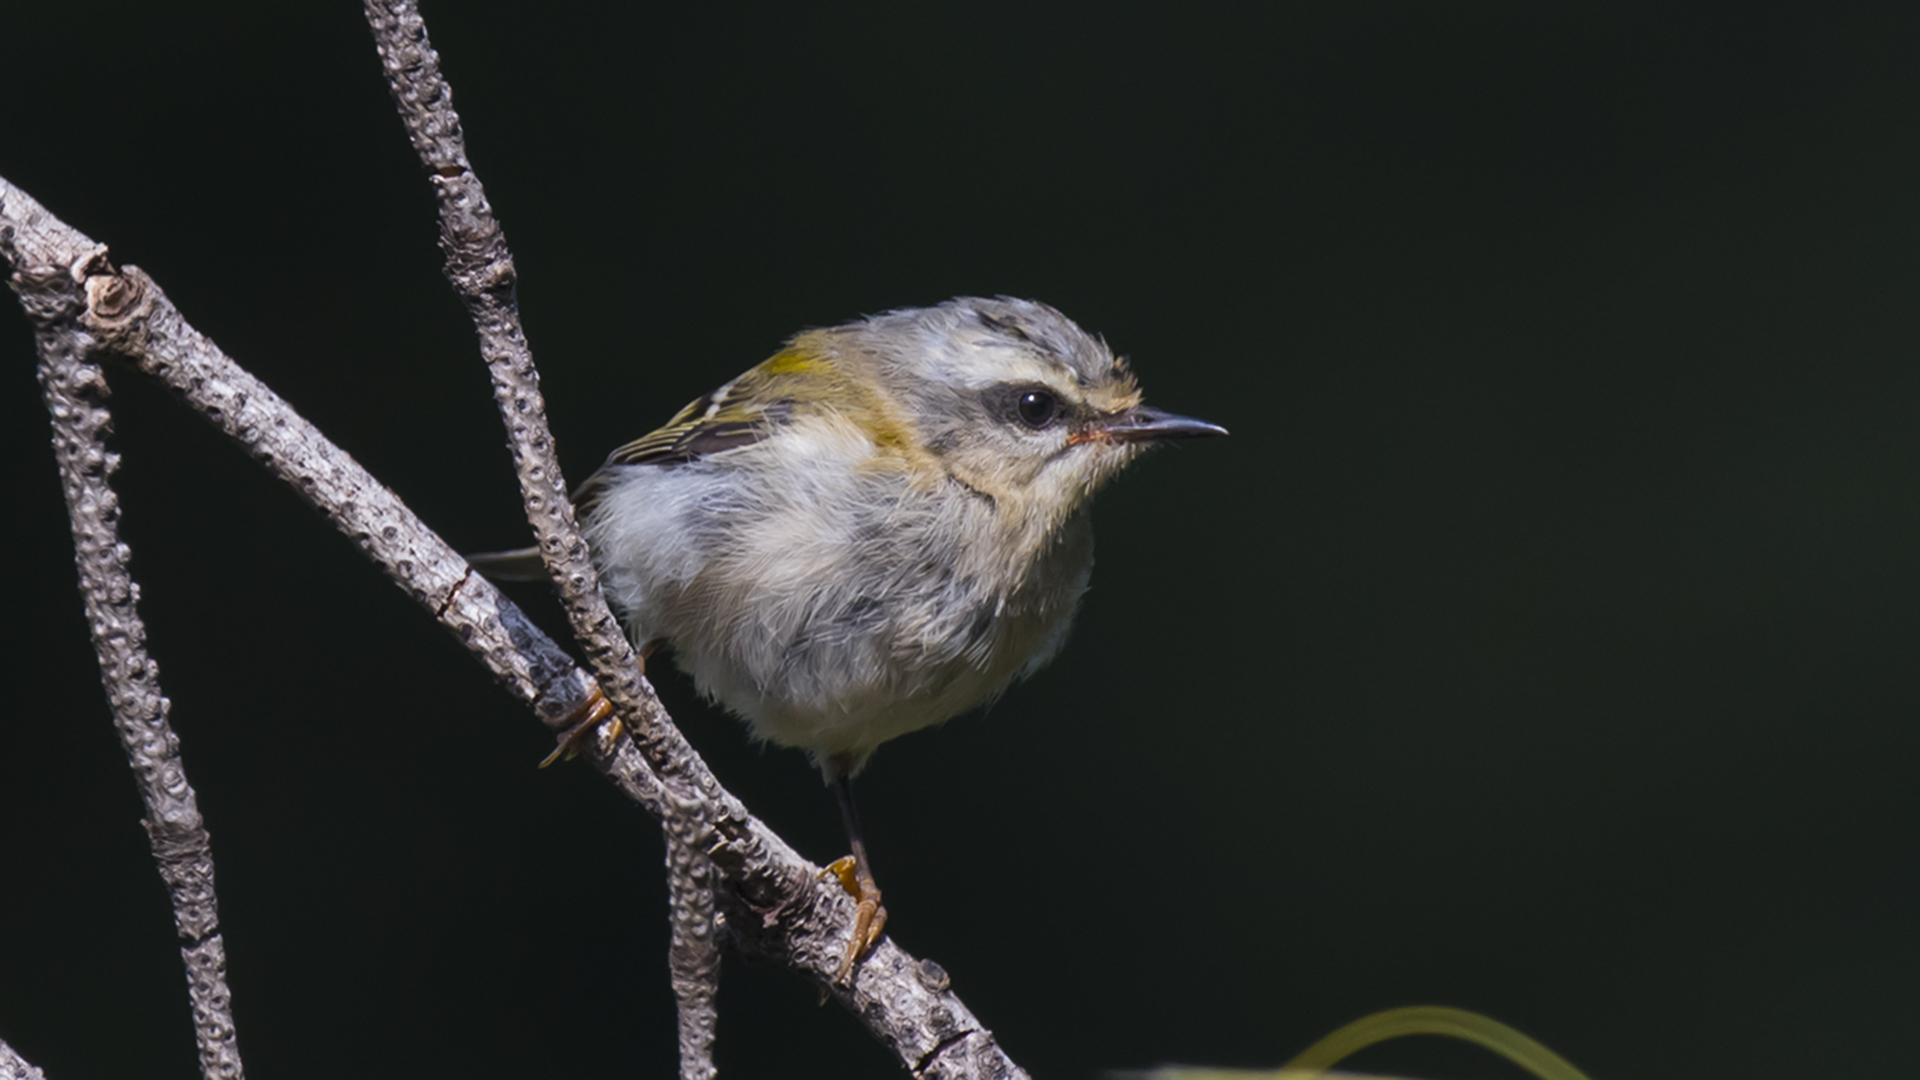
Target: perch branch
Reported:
[(480, 267), (775, 905)]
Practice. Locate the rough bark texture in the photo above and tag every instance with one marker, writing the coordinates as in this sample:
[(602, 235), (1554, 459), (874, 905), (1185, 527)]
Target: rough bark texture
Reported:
[(773, 903), (693, 955), (482, 273), (15, 1067), (76, 393), (480, 267)]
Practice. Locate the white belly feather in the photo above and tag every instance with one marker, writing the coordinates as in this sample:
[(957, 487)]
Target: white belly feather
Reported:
[(852, 606)]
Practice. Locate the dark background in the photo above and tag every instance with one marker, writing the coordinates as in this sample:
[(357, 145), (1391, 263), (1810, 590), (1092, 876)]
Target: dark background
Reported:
[(1542, 642)]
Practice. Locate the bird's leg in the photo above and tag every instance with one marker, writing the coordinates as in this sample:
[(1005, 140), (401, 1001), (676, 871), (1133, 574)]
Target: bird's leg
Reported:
[(589, 715), (856, 876)]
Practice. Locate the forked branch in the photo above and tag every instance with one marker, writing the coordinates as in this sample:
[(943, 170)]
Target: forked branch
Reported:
[(773, 902), (480, 267), (75, 390)]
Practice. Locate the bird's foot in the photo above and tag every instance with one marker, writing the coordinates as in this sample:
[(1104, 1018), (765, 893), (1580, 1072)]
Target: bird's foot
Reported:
[(869, 918), (590, 714)]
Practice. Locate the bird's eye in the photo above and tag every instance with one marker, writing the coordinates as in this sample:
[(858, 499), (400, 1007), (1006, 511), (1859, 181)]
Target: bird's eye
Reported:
[(1036, 408)]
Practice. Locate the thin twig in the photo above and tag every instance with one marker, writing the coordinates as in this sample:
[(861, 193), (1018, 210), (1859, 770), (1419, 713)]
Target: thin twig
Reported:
[(76, 394), (775, 906), (693, 957), (481, 270), (480, 267)]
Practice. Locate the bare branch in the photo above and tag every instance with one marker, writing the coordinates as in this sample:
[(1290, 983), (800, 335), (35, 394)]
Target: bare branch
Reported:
[(774, 904), (76, 392), (15, 1067), (482, 273), (693, 957), (480, 267)]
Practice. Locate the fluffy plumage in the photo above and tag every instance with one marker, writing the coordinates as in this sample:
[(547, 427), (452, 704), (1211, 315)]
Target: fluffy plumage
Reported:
[(879, 527)]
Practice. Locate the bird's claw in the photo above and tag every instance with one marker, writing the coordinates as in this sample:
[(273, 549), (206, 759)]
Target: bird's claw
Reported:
[(869, 917), (591, 712)]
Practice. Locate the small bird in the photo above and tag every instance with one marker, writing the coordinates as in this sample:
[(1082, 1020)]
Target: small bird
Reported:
[(875, 530)]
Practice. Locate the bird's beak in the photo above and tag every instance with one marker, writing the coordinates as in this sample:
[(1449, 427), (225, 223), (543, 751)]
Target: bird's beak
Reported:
[(1143, 424)]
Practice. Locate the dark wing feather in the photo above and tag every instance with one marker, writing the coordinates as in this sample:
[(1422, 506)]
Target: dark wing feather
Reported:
[(740, 413), (725, 419)]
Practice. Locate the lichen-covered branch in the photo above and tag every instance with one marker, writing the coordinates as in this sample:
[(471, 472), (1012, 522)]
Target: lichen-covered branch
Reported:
[(774, 905)]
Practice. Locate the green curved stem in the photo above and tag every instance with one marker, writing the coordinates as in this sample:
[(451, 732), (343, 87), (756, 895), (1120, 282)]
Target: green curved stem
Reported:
[(1436, 1020)]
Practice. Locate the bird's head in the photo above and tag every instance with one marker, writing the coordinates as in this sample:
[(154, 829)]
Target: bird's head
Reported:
[(1011, 399)]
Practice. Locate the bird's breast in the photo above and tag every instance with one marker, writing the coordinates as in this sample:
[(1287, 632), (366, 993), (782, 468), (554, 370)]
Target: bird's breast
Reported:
[(835, 608)]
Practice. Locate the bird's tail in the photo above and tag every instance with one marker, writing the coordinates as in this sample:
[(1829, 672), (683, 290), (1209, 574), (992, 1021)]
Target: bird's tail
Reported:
[(520, 564)]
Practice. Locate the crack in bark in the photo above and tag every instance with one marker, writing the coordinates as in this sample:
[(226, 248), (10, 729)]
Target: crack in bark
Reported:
[(919, 1068), (440, 613)]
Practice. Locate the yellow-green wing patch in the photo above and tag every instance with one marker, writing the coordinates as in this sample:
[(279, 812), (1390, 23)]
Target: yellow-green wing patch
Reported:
[(736, 414)]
